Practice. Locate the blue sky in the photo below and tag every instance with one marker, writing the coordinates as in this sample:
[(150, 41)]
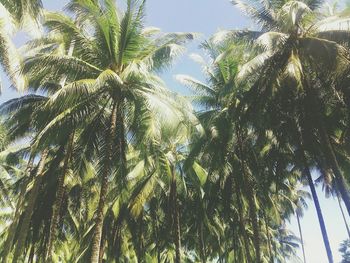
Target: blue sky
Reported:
[(207, 17)]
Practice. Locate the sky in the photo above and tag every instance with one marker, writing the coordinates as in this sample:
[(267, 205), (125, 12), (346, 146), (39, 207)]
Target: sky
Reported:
[(207, 17)]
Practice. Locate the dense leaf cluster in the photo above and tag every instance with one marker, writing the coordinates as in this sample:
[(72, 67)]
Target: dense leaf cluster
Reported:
[(100, 162)]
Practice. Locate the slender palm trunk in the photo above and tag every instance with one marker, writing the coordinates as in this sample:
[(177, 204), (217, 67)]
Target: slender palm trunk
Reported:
[(249, 190), (307, 172), (140, 248), (19, 206), (344, 218), (60, 184), (31, 255), (158, 256), (319, 214), (253, 216), (241, 223), (232, 248), (201, 236), (102, 251), (176, 218), (301, 237), (331, 158), (58, 201), (275, 249), (24, 228), (268, 237), (155, 229), (178, 234), (117, 242), (96, 241), (328, 147)]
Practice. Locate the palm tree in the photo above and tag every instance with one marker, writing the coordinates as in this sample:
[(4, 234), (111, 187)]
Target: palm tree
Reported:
[(28, 210), (300, 206), (165, 155), (106, 87), (28, 110), (287, 33), (214, 97), (330, 189), (302, 162), (343, 215), (120, 169), (283, 45), (217, 97)]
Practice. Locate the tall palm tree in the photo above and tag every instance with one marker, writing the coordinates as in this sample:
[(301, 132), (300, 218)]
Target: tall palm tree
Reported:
[(165, 156), (108, 88), (218, 99), (300, 206), (284, 53), (120, 169), (28, 110), (28, 210)]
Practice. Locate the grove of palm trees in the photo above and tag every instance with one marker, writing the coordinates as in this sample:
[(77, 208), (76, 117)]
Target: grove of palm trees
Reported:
[(100, 161)]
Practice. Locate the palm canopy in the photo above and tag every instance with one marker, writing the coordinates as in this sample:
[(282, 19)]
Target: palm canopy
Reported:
[(110, 84), (130, 171), (16, 16), (22, 10), (103, 86), (298, 47), (231, 153), (292, 33), (134, 52)]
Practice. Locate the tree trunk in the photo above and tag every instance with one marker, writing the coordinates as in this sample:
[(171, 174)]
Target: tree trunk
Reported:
[(58, 201), (155, 232), (301, 237), (153, 209), (102, 251), (177, 226), (117, 245), (241, 223), (344, 218), (228, 248), (304, 163), (328, 150), (319, 214), (60, 184), (24, 228), (19, 206), (158, 256), (249, 190), (176, 218), (96, 241), (253, 216), (31, 255), (201, 236), (339, 178), (268, 237), (275, 249), (140, 248)]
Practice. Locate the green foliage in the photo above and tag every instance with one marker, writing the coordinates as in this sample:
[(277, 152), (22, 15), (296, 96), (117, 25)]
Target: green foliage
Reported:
[(120, 169)]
